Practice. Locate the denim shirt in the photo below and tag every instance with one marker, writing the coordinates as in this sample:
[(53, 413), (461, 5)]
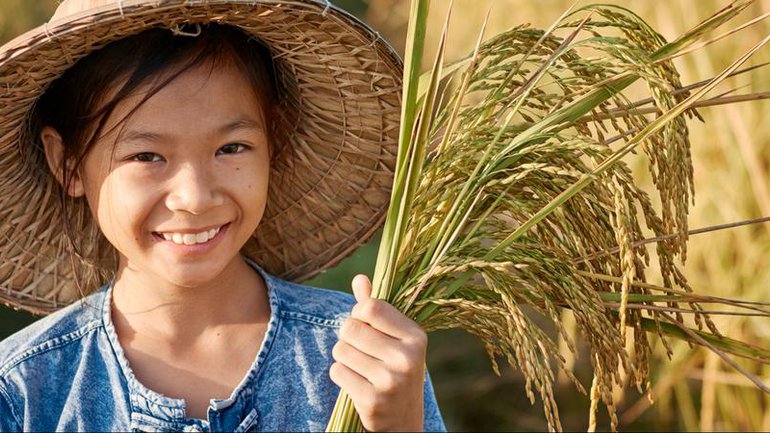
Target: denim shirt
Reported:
[(68, 372)]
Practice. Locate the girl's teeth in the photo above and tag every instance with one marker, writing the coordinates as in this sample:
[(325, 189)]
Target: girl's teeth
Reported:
[(190, 239)]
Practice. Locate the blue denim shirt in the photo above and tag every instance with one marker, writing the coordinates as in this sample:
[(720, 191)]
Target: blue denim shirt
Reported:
[(68, 372)]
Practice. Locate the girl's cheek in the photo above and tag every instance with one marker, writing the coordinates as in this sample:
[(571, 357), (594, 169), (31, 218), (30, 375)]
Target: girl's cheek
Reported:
[(124, 201)]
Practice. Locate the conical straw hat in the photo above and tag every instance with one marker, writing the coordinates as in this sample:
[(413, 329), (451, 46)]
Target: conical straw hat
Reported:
[(340, 77)]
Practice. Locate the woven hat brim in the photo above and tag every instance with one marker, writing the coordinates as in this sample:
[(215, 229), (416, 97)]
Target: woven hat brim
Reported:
[(329, 197)]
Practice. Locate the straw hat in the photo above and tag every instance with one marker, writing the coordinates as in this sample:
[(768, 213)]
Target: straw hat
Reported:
[(341, 77)]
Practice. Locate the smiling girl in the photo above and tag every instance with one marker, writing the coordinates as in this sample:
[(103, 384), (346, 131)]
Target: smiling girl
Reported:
[(170, 167)]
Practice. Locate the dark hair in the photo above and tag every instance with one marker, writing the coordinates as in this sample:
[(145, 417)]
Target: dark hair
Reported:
[(77, 105)]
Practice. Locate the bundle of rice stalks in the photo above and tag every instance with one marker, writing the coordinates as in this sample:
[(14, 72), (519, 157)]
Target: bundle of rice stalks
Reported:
[(512, 199)]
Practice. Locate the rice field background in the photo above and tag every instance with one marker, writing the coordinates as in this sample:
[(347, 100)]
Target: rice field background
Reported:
[(692, 391)]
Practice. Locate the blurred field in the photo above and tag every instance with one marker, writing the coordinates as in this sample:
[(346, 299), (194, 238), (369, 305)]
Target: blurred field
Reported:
[(694, 390)]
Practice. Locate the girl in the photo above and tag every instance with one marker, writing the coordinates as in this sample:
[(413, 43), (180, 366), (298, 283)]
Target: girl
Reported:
[(196, 155)]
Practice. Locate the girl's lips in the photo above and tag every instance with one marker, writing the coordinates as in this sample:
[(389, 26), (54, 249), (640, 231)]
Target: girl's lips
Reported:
[(194, 248)]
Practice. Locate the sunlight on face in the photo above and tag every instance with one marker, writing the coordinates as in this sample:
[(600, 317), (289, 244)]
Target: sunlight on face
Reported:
[(182, 184)]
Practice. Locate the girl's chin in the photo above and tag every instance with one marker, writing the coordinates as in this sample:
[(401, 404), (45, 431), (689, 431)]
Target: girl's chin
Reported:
[(173, 273), (192, 281)]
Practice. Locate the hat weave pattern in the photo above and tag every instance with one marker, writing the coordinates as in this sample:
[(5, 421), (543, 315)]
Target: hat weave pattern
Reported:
[(341, 81)]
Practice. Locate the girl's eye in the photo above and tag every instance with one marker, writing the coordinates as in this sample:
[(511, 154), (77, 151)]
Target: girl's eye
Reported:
[(231, 148), (147, 157)]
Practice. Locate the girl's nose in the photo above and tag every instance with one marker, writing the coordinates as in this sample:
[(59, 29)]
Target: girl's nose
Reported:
[(193, 190)]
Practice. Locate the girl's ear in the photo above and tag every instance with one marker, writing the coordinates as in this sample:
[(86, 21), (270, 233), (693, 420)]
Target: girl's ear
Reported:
[(54, 154)]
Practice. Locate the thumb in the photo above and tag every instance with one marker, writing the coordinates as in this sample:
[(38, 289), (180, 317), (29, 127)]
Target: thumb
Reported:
[(362, 287)]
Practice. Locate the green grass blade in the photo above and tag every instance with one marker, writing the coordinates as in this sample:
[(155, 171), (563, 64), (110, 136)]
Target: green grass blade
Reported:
[(395, 218), (344, 417)]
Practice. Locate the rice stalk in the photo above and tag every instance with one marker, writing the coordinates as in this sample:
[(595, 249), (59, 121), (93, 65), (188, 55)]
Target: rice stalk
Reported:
[(504, 195)]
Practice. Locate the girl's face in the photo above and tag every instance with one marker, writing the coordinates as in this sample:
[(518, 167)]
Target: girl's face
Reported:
[(181, 185)]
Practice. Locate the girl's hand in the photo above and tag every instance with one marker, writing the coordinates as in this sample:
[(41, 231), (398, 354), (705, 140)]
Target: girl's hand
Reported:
[(380, 363)]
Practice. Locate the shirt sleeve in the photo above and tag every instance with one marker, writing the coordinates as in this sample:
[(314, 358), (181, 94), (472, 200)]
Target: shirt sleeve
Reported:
[(9, 420), (433, 421)]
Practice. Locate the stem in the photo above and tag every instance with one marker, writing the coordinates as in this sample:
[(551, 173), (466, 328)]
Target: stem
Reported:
[(643, 242), (344, 416)]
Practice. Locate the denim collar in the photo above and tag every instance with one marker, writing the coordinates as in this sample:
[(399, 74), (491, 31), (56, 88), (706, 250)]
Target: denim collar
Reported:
[(152, 410)]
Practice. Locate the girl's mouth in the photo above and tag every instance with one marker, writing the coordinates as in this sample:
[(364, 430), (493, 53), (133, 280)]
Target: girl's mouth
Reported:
[(188, 238)]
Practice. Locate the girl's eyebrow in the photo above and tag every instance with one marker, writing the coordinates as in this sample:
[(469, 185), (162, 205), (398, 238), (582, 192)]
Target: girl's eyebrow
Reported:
[(238, 124), (135, 135), (242, 123)]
